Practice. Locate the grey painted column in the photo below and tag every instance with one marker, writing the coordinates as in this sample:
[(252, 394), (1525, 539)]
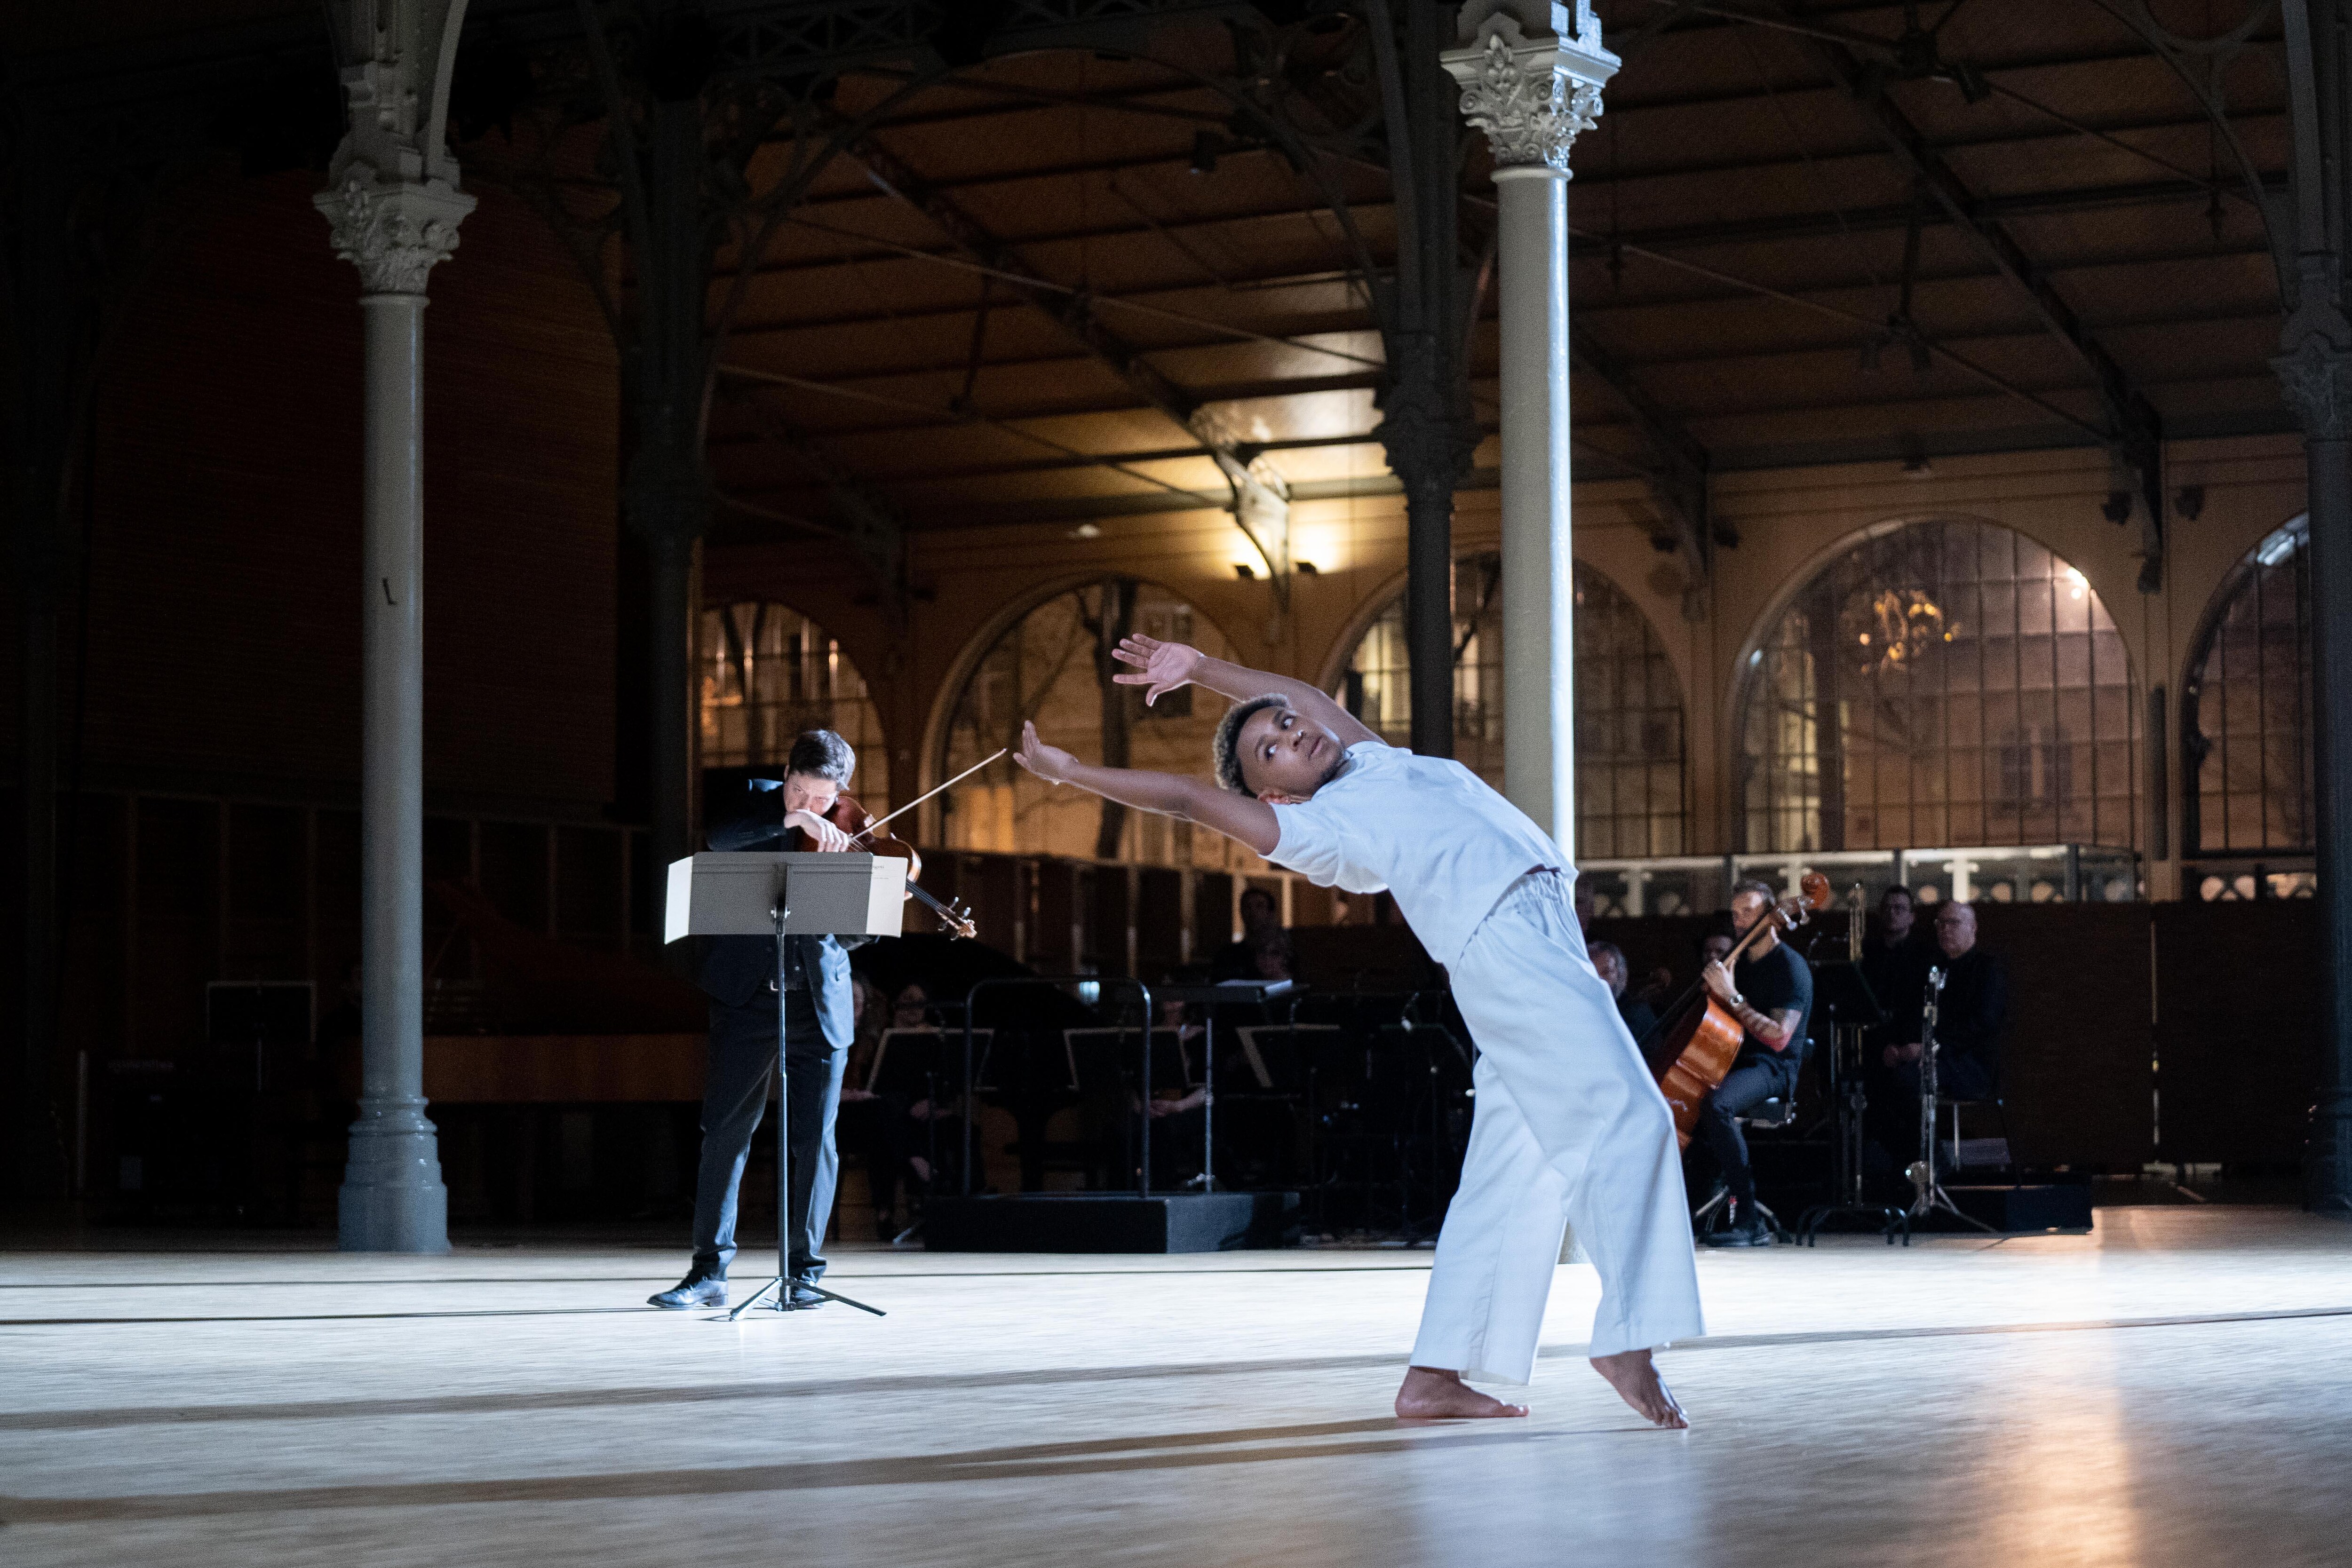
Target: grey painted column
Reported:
[(2318, 380), (1531, 76), (394, 208)]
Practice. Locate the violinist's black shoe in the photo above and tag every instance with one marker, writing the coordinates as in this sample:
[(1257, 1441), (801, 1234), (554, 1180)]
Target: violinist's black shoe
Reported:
[(697, 1289), (804, 1298)]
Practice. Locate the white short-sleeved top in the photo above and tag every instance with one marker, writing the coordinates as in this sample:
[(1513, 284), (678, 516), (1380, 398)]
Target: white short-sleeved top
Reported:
[(1424, 829)]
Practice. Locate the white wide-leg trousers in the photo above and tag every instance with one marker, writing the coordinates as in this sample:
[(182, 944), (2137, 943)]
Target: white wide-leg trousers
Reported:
[(1570, 1128)]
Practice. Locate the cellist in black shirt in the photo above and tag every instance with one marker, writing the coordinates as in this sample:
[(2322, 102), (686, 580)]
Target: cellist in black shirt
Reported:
[(1771, 993)]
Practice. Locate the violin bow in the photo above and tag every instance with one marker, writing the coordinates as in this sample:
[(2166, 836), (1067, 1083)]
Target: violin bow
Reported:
[(929, 793)]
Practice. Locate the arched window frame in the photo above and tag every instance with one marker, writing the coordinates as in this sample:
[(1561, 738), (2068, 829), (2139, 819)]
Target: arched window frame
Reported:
[(823, 688), (2207, 713), (2112, 783), (1613, 821), (986, 814)]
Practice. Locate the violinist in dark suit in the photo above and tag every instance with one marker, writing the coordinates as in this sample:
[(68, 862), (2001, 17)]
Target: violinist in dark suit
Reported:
[(739, 973)]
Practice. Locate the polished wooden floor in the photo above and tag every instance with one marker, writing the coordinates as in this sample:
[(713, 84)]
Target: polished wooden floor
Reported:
[(2176, 1389)]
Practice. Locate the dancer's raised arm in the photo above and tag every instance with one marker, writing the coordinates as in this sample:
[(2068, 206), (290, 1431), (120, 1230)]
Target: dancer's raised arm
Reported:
[(1238, 817), (1165, 666)]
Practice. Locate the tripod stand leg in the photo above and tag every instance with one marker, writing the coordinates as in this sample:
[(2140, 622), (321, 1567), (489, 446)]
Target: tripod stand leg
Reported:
[(837, 1296), (752, 1300)]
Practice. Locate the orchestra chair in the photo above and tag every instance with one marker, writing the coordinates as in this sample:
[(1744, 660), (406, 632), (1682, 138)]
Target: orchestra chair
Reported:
[(1951, 1146), (1770, 1116)]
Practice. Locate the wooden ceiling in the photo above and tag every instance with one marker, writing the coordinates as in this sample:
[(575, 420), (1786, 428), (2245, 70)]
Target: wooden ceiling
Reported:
[(1766, 256), (1804, 233)]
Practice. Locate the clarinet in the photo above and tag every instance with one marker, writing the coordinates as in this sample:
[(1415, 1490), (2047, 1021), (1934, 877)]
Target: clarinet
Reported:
[(1922, 1172)]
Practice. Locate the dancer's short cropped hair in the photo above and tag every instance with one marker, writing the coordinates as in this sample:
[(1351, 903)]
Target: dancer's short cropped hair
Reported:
[(1226, 749)]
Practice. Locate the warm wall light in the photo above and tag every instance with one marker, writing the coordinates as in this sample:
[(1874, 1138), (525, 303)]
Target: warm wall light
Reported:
[(1086, 531), (1243, 570), (1304, 568)]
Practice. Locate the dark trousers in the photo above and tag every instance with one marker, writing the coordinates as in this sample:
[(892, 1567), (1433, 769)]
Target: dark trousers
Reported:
[(1892, 1125), (1742, 1090), (735, 1096), (882, 1135)]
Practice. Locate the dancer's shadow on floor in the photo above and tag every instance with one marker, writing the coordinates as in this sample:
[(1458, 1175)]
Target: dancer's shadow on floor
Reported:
[(1087, 1456)]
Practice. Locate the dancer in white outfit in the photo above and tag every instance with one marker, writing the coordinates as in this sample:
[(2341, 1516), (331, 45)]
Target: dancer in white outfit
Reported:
[(1569, 1125)]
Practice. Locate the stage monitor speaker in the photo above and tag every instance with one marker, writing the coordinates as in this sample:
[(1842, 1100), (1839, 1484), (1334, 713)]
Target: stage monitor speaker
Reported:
[(1111, 1222), (2024, 1210)]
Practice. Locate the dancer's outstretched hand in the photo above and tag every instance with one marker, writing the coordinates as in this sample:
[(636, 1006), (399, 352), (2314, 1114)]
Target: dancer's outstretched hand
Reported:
[(1164, 666), (1050, 763)]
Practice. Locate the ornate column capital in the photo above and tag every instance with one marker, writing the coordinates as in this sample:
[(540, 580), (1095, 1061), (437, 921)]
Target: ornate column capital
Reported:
[(1531, 77), (393, 231), (2317, 375)]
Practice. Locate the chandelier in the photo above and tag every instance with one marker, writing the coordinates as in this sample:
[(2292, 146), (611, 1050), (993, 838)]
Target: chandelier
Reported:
[(1895, 629)]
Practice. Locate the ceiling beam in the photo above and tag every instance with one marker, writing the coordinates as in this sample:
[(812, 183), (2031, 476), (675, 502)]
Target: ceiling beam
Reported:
[(1677, 479), (1896, 218), (858, 512), (2135, 431), (1260, 500)]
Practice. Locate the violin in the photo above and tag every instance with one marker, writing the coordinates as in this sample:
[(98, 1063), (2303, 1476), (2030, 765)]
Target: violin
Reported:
[(1696, 1041), (858, 822)]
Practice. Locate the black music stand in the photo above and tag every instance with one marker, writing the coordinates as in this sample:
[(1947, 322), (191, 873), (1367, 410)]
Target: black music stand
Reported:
[(1209, 999), (1843, 996), (785, 895)]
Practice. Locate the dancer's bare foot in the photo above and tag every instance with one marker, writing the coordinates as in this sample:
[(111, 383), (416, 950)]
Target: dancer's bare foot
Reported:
[(1636, 1381), (1432, 1393)]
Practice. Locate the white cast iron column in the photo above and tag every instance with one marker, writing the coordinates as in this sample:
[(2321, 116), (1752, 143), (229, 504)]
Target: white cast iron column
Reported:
[(1531, 77), (394, 208)]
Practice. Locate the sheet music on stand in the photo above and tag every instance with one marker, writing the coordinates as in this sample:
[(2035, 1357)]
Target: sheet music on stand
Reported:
[(917, 1058)]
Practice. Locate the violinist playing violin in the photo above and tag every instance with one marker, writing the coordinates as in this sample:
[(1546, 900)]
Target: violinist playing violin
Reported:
[(1771, 993), (804, 810)]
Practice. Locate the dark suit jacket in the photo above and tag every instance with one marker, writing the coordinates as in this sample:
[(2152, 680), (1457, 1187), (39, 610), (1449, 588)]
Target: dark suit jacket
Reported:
[(1969, 1022), (736, 970)]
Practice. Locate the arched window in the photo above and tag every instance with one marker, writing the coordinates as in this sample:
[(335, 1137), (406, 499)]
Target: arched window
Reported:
[(1054, 667), (1629, 707), (1941, 683), (768, 674), (2245, 708)]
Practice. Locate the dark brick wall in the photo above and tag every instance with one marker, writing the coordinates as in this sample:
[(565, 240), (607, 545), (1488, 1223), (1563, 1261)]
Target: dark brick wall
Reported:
[(224, 594)]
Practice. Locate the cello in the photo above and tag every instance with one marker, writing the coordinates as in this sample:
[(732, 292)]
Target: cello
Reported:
[(858, 822), (1696, 1041)]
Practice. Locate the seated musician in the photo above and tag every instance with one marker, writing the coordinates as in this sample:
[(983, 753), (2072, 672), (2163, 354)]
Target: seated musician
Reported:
[(1176, 1101), (1970, 1018), (878, 1125), (1770, 991), (1895, 956), (1609, 959), (1261, 922)]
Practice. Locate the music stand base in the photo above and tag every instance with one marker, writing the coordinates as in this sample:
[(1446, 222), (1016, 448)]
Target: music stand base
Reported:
[(784, 1303), (1886, 1219)]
